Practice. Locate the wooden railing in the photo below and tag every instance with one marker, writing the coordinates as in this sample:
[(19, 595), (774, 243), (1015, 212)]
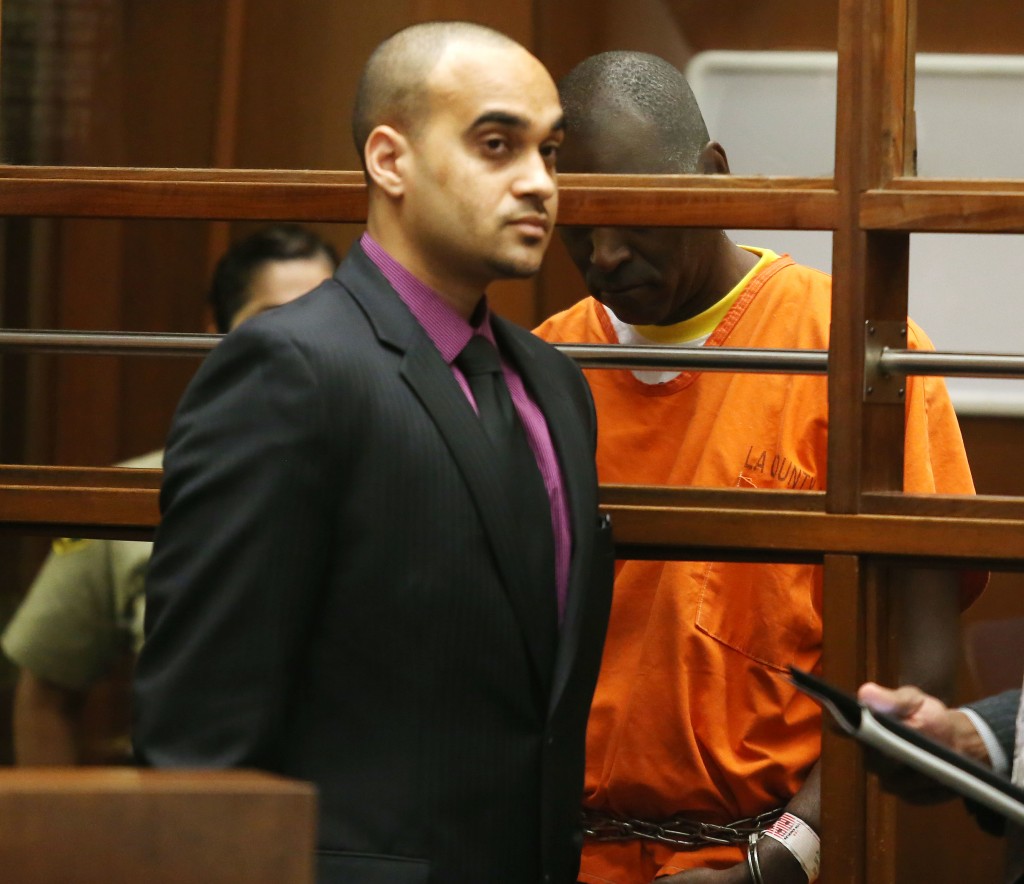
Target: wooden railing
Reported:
[(92, 826)]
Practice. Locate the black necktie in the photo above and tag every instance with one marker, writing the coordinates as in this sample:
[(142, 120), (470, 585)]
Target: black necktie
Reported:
[(517, 470)]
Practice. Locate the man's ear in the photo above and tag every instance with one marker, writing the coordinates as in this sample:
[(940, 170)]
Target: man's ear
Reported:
[(386, 148), (713, 160)]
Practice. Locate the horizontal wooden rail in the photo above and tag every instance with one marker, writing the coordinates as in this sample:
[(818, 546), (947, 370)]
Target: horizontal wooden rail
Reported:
[(669, 523), (712, 533), (613, 495), (955, 185), (936, 205), (80, 501), (329, 176), (880, 503), (226, 194), (956, 209), (79, 511), (184, 199), (79, 477), (699, 201), (962, 506)]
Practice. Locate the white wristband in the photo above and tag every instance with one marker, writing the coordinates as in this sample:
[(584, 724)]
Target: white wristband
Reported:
[(800, 840)]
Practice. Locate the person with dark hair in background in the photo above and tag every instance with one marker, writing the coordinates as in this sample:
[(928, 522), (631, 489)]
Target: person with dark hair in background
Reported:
[(697, 740), (84, 610), (381, 566), (266, 269)]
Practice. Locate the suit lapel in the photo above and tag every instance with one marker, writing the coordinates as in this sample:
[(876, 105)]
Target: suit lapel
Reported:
[(431, 379)]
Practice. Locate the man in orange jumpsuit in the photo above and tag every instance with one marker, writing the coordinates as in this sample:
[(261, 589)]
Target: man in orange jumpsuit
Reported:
[(694, 720)]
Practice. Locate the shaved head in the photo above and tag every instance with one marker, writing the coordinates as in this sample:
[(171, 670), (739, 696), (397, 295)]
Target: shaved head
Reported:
[(393, 88), (631, 91)]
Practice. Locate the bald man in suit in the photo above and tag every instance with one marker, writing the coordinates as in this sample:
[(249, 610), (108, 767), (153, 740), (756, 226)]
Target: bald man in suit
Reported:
[(356, 581)]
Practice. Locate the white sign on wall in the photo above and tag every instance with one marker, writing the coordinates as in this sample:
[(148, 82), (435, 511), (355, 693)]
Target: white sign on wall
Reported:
[(775, 112)]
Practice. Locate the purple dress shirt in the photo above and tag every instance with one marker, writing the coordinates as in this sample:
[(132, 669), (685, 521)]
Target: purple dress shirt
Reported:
[(450, 333)]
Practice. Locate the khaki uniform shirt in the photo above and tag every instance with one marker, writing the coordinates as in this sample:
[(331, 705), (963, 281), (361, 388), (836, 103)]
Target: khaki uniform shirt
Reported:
[(84, 609)]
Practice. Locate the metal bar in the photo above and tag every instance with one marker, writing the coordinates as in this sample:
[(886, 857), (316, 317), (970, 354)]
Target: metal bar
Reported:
[(702, 358), (106, 343), (926, 362), (588, 356), (891, 361)]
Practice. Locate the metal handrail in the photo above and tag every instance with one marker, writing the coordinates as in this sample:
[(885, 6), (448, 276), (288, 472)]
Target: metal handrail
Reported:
[(928, 362), (653, 357), (106, 343), (700, 358)]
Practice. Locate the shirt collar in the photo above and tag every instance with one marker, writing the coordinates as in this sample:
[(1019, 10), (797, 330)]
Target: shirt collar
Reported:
[(442, 323)]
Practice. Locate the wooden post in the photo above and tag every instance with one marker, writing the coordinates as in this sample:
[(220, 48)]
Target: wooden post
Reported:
[(866, 422)]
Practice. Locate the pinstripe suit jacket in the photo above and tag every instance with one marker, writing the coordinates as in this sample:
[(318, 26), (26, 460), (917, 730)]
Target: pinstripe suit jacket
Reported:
[(335, 594), (1000, 714)]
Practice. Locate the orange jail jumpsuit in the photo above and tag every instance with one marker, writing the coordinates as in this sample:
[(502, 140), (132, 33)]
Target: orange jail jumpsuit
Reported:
[(693, 713)]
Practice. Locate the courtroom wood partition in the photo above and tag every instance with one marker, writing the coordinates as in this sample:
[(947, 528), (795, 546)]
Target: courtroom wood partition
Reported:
[(857, 529), (125, 826)]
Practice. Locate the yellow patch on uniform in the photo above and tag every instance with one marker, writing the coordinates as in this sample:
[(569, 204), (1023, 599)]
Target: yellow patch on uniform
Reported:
[(64, 545)]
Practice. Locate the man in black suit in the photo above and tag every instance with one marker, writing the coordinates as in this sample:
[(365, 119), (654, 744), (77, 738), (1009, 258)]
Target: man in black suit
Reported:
[(356, 581)]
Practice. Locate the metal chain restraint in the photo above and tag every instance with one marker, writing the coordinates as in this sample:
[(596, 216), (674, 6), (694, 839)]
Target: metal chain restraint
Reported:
[(678, 832)]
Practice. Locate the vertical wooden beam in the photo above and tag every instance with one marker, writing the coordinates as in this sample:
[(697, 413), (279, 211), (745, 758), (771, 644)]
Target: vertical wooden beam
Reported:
[(89, 254), (881, 665), (874, 144), (869, 269), (846, 348), (225, 136), (225, 127), (843, 784), (858, 820), (909, 92)]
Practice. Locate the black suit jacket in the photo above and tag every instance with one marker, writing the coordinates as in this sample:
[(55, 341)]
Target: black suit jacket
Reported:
[(335, 594), (1000, 714)]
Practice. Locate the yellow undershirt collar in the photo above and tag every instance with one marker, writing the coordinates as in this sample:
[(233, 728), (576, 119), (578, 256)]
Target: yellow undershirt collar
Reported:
[(703, 324)]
